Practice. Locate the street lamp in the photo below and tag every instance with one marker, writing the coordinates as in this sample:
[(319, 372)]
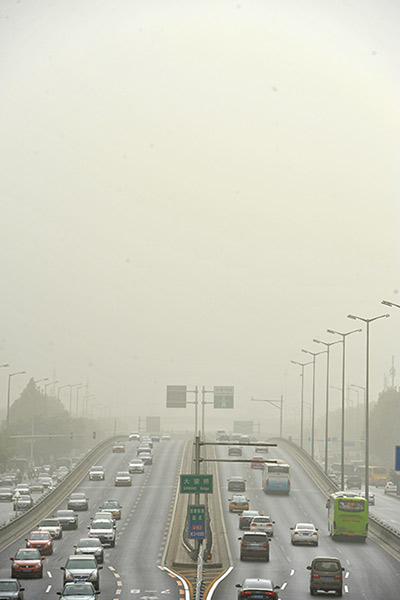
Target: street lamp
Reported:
[(79, 387), (8, 393), (302, 365), (367, 322), (72, 385), (278, 404), (327, 345), (87, 398), (344, 336), (391, 304), (314, 355)]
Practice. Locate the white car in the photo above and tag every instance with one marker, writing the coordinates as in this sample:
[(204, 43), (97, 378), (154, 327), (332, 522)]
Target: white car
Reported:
[(304, 533), (122, 478), (136, 465), (263, 523), (103, 530), (371, 498), (390, 488), (53, 526)]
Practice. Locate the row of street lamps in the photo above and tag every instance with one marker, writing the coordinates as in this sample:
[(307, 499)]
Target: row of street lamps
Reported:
[(343, 336), (86, 399)]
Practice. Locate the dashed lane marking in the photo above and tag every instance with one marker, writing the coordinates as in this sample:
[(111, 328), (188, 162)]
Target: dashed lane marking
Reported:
[(49, 574), (292, 573), (283, 585), (111, 568), (48, 589)]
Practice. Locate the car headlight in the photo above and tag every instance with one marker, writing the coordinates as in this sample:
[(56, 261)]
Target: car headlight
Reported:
[(69, 576)]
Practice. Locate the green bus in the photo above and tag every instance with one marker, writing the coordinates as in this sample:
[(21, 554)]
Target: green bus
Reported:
[(347, 516)]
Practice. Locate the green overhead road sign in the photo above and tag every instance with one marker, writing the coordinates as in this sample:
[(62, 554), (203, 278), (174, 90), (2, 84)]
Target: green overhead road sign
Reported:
[(223, 396), (196, 484)]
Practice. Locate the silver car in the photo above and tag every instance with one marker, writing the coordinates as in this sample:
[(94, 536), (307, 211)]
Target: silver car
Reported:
[(91, 545), (82, 568)]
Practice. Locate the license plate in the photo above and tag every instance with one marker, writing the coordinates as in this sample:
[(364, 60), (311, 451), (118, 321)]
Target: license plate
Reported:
[(326, 578), (306, 534), (256, 596), (254, 546), (26, 570)]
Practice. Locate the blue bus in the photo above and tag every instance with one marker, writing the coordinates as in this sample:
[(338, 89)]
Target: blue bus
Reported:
[(276, 477)]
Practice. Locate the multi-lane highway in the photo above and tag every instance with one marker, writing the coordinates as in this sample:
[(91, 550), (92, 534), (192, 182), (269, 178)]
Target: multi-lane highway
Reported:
[(370, 573), (131, 568)]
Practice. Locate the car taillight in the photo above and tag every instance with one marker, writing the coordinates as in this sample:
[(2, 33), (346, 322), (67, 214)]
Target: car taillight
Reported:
[(265, 545), (334, 524), (315, 576), (338, 577), (246, 593), (267, 481), (288, 482)]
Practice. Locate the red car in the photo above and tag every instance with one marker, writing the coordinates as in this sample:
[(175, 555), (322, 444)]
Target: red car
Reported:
[(257, 462), (27, 562), (41, 540)]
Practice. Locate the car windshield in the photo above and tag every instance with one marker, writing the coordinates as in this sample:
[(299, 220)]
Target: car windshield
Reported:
[(27, 555), (50, 523), (101, 525), (78, 589), (65, 513), (326, 565), (262, 520), (8, 586), (256, 538), (122, 474), (89, 543), (77, 496), (111, 504), (305, 526), (81, 563), (39, 535)]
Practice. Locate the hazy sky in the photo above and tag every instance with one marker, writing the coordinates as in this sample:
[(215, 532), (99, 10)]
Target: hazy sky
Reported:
[(192, 190)]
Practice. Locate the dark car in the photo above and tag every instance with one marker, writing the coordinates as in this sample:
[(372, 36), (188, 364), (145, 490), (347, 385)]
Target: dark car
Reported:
[(84, 590), (67, 518), (257, 589), (10, 589), (246, 518), (326, 574), (353, 481), (254, 544), (236, 484), (6, 495), (78, 501), (81, 567), (27, 562)]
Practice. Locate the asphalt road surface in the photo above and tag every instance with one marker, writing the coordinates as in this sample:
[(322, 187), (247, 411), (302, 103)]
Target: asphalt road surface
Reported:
[(131, 569), (370, 573)]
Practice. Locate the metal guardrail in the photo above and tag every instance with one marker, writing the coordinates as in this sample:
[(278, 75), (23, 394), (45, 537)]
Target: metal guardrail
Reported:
[(46, 505), (381, 532)]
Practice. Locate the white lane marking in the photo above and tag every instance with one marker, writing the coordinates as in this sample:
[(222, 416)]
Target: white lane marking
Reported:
[(48, 589), (165, 592), (347, 574), (346, 589), (283, 585), (135, 591), (292, 573), (49, 574)]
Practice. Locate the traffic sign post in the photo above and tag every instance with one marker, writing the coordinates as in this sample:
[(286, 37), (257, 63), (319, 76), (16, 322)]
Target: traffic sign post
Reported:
[(196, 484), (197, 521), (397, 459)]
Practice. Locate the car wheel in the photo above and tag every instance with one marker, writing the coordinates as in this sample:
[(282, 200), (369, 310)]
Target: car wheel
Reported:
[(13, 574), (312, 592), (339, 593), (267, 558), (241, 557), (40, 574), (316, 544)]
